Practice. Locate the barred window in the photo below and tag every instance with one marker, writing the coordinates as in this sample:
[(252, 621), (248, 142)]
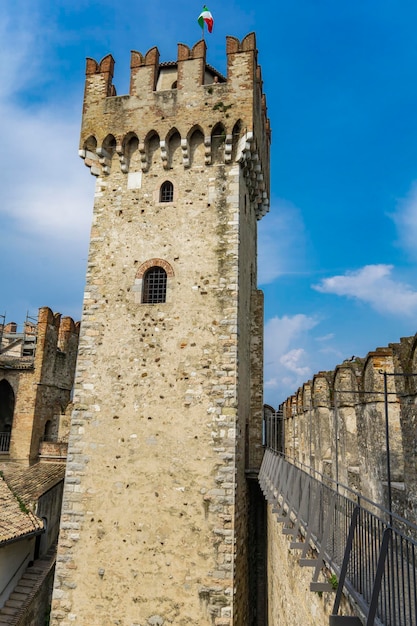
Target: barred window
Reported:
[(166, 193), (154, 286)]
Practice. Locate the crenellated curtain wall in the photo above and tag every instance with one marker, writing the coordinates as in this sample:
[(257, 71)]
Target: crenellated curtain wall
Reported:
[(336, 423)]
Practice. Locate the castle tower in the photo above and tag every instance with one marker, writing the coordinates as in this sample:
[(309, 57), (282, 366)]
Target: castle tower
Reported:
[(166, 433)]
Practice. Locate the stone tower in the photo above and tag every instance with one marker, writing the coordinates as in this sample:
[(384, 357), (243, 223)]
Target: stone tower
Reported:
[(158, 523)]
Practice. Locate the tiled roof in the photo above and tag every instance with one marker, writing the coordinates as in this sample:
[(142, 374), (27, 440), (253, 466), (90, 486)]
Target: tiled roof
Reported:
[(15, 523), (16, 362), (32, 482)]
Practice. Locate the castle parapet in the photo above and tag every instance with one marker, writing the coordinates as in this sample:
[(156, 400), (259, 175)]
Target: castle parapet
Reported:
[(99, 77), (57, 343), (174, 99), (337, 423), (191, 65), (143, 71)]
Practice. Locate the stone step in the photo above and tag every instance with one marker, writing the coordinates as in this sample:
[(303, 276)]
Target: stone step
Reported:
[(15, 604), (29, 576), (9, 611), (23, 588), (35, 571), (17, 596), (27, 582)]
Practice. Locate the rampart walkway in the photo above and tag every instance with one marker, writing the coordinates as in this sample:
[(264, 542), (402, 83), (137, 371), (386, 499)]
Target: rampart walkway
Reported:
[(366, 552)]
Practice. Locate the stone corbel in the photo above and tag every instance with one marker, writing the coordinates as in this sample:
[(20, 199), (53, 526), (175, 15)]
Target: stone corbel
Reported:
[(185, 153), (244, 148), (228, 148), (124, 160), (104, 158), (143, 158), (207, 150), (90, 160), (164, 154), (263, 207)]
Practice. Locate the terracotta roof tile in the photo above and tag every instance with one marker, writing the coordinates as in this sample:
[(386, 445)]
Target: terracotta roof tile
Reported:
[(32, 482), (15, 523)]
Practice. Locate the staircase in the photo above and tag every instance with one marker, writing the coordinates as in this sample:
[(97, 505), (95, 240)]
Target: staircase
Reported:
[(26, 589)]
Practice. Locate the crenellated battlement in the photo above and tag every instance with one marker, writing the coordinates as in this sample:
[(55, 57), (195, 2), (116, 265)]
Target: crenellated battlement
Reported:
[(20, 345), (361, 375), (57, 331), (181, 103), (337, 422)]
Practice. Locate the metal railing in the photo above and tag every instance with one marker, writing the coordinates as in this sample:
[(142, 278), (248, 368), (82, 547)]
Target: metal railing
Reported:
[(4, 442), (366, 550)]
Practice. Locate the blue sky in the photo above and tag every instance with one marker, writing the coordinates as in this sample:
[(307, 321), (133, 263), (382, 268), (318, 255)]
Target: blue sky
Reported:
[(337, 251)]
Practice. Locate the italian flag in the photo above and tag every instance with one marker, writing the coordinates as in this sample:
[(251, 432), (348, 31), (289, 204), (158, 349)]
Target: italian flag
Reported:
[(206, 17)]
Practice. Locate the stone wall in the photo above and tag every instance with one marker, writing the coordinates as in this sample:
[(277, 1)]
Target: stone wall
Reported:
[(336, 423), (290, 600)]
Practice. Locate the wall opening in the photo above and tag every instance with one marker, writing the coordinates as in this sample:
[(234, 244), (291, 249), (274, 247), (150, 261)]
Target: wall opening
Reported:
[(7, 403), (154, 286)]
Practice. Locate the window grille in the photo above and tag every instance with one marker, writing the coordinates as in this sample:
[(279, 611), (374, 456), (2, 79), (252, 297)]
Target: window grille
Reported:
[(167, 192), (154, 286)]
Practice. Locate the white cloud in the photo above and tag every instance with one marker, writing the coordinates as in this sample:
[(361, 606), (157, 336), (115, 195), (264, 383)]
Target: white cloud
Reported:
[(405, 218), (292, 361), (46, 192), (46, 189), (281, 242), (287, 362), (16, 45), (327, 337), (373, 285)]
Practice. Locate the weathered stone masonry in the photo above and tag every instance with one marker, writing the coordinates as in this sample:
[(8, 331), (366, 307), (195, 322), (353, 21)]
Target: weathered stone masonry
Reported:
[(336, 424), (167, 419), (40, 383)]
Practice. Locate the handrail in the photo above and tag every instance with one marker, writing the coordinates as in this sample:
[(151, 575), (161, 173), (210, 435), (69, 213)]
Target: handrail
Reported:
[(373, 553), (271, 443)]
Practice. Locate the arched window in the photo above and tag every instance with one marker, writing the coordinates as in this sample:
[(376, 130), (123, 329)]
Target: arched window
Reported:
[(166, 193), (154, 286)]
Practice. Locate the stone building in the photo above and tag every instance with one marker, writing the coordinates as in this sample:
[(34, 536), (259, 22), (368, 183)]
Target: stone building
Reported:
[(37, 367), (160, 518)]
